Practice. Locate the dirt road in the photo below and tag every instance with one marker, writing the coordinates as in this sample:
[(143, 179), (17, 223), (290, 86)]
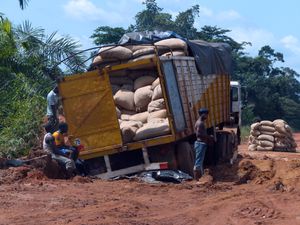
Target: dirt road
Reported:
[(257, 189)]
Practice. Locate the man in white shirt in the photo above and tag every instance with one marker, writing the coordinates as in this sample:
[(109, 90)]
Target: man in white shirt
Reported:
[(52, 106)]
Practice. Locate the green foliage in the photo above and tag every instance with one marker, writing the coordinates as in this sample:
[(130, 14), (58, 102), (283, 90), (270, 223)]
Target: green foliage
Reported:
[(107, 35), (245, 131), (28, 66)]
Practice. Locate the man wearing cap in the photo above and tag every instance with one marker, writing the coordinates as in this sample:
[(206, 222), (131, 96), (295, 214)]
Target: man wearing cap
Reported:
[(200, 145)]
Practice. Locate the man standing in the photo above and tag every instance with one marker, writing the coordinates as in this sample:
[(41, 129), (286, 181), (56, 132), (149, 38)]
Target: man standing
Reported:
[(52, 106), (200, 145)]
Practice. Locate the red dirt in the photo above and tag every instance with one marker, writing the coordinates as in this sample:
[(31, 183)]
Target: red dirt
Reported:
[(260, 188)]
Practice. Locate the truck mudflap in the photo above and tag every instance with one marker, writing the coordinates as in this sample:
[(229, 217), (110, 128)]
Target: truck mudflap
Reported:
[(90, 111)]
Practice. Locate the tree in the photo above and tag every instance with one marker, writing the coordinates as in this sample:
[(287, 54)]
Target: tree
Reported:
[(28, 65), (107, 35)]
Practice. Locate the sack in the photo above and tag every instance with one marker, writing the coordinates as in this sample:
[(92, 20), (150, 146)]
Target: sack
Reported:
[(175, 53), (142, 97), (171, 43), (128, 112), (162, 114), (144, 51), (255, 133), (135, 48), (125, 99), (264, 137), (135, 74), (125, 117), (157, 93), (143, 81), (141, 117), (128, 133), (252, 147), (130, 123), (143, 57), (156, 105), (99, 60), (255, 126), (152, 129), (115, 52), (155, 83), (266, 144), (259, 148), (266, 123), (264, 128)]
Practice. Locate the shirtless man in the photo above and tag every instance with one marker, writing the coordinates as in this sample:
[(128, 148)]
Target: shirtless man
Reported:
[(200, 145)]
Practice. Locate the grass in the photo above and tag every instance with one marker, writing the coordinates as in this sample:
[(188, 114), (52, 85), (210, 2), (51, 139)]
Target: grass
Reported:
[(245, 132)]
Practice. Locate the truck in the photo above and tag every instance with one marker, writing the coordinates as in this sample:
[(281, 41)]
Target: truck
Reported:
[(90, 111)]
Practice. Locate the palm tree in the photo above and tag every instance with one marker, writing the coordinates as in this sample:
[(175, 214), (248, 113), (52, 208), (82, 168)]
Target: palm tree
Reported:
[(23, 3)]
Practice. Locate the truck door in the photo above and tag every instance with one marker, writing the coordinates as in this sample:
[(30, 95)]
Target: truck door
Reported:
[(90, 111)]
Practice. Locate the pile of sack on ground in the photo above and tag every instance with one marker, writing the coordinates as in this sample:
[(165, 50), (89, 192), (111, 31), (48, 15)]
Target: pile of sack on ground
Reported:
[(114, 55), (140, 106), (271, 136)]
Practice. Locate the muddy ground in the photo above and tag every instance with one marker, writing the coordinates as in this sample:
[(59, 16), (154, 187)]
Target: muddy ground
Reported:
[(260, 188)]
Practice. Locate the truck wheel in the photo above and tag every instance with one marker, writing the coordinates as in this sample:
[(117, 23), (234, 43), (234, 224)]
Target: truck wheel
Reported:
[(185, 157)]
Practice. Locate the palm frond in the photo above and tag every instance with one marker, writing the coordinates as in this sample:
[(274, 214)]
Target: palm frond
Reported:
[(23, 3)]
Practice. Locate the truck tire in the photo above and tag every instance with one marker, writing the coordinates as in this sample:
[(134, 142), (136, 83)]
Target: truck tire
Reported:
[(185, 157)]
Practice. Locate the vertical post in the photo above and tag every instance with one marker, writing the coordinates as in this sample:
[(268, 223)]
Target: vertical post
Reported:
[(107, 163), (145, 156)]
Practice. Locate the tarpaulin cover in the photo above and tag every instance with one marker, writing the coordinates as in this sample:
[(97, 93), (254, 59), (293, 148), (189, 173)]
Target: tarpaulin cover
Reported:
[(210, 58)]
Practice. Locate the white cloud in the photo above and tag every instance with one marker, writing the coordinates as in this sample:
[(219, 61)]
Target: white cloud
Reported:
[(291, 43), (257, 36), (229, 15), (87, 10)]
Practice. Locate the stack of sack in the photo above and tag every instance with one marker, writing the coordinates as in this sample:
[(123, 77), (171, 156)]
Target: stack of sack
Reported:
[(271, 136), (140, 107), (113, 55)]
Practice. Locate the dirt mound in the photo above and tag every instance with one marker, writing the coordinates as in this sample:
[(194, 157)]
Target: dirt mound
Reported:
[(12, 175)]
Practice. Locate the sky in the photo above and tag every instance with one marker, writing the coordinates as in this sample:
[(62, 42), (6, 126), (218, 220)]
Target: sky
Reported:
[(274, 23)]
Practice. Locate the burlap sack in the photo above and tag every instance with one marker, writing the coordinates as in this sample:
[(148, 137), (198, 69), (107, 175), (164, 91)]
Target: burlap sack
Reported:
[(279, 121), (265, 128), (120, 121), (144, 51), (152, 129), (117, 52), (252, 147), (174, 53), (135, 48), (135, 74), (99, 60), (255, 133), (255, 126), (142, 97), (118, 112), (115, 88), (259, 148), (120, 80), (157, 114), (143, 81), (141, 117), (171, 43), (156, 105), (264, 137), (278, 134), (128, 133), (155, 83), (125, 99), (125, 117), (266, 123), (157, 93), (266, 144), (128, 87), (131, 123)]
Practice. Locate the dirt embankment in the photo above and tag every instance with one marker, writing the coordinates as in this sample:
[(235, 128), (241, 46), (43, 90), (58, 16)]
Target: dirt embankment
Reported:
[(257, 189)]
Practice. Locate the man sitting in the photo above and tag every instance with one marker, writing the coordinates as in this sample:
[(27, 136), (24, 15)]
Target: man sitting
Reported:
[(50, 147), (62, 142)]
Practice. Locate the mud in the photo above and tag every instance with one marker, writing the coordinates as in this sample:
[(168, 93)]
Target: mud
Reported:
[(261, 188)]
